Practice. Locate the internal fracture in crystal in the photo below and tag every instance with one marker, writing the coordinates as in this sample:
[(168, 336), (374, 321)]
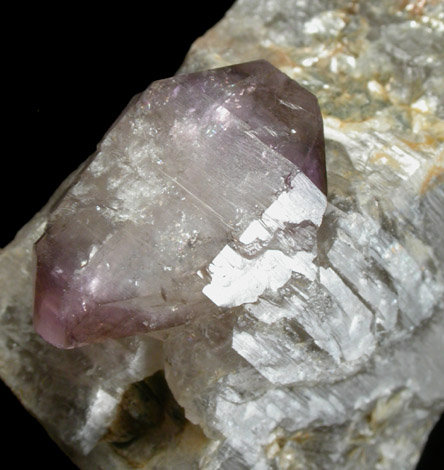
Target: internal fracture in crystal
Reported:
[(201, 171), (339, 347)]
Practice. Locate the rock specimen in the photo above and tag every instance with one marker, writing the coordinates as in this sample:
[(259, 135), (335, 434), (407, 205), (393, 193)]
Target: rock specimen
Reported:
[(334, 363), (196, 161)]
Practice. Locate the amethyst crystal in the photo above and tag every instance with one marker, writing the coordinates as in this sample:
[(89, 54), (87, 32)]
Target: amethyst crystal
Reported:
[(197, 165)]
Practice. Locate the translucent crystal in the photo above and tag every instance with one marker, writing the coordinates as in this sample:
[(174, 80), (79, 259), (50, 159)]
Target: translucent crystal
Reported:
[(340, 366), (194, 162)]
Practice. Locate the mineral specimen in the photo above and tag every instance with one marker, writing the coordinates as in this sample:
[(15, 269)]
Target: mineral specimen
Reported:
[(196, 161), (340, 366)]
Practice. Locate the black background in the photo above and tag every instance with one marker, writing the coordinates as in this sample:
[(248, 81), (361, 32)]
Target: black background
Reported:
[(67, 76)]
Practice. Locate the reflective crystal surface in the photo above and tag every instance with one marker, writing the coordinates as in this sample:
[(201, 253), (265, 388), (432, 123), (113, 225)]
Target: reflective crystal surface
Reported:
[(194, 162), (335, 357)]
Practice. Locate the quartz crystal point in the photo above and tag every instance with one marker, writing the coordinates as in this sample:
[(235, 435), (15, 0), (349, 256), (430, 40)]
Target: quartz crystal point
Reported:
[(202, 167), (341, 366)]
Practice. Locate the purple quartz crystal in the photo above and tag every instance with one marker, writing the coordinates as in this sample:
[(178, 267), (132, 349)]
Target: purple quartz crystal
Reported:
[(189, 165)]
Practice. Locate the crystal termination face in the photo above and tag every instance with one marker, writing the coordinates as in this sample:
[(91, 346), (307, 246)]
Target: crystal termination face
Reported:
[(200, 171)]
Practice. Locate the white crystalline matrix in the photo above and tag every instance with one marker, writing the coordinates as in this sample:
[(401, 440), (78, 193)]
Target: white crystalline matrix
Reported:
[(331, 355)]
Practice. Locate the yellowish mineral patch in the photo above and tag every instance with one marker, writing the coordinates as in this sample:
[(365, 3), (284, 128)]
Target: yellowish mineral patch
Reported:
[(434, 175)]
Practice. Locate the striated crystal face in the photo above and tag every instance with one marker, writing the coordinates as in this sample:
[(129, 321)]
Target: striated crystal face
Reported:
[(196, 165)]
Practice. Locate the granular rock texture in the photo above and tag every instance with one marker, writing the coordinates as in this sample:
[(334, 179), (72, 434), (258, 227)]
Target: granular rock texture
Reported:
[(340, 363)]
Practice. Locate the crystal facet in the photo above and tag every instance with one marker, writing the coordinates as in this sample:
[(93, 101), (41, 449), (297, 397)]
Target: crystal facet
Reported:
[(346, 357), (199, 166)]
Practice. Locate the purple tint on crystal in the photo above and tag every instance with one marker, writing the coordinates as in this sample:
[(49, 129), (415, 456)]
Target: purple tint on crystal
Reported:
[(283, 115), (184, 170)]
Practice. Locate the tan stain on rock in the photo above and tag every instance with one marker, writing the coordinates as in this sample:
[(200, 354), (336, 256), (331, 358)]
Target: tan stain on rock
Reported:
[(416, 7), (434, 176), (382, 158), (279, 56), (428, 141)]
